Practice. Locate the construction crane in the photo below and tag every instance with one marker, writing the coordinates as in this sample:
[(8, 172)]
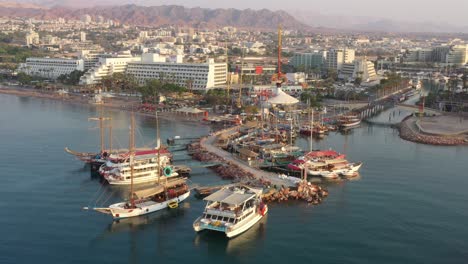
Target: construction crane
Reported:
[(279, 78), (228, 80), (239, 100)]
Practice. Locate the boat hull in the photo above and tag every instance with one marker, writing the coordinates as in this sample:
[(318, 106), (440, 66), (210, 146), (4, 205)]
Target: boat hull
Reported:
[(236, 230), (350, 124), (119, 212)]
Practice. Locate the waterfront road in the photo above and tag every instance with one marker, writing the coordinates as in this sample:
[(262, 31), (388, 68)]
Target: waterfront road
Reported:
[(208, 144)]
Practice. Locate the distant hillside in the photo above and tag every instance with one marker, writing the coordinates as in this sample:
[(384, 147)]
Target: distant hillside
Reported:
[(162, 15), (372, 24)]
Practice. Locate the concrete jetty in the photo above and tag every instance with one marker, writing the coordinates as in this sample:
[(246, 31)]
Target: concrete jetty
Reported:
[(207, 143)]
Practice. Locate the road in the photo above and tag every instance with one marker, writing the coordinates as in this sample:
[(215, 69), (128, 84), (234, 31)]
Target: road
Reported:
[(208, 144)]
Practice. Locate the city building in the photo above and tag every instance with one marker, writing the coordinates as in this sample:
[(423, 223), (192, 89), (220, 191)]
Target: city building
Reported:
[(312, 60), (32, 38), (452, 55), (361, 68), (82, 36), (337, 57), (105, 66), (91, 57), (458, 55), (50, 68), (196, 76)]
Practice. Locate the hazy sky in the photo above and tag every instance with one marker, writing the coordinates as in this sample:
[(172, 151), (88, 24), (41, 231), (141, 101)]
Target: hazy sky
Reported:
[(448, 11)]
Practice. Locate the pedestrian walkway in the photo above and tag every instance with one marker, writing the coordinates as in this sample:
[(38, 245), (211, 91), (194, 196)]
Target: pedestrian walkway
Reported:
[(208, 144)]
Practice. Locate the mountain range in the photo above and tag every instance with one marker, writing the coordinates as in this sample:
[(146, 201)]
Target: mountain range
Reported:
[(163, 15), (143, 15)]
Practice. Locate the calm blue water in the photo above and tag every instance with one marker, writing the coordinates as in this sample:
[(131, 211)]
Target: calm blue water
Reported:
[(409, 206)]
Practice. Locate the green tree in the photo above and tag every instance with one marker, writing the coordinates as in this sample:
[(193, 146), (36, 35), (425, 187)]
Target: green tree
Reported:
[(215, 96), (73, 78), (120, 82), (24, 78), (357, 81)]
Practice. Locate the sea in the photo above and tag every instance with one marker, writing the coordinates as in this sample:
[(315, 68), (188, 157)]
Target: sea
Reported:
[(409, 204)]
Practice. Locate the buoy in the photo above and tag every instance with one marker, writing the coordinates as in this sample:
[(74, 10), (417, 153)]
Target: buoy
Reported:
[(173, 204), (167, 171)]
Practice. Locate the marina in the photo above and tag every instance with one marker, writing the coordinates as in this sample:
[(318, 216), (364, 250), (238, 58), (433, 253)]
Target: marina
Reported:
[(346, 213)]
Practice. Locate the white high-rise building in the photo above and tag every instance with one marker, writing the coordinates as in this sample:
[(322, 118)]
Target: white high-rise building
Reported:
[(50, 68), (83, 36), (32, 38), (196, 76), (458, 55), (359, 68), (107, 66), (337, 57)]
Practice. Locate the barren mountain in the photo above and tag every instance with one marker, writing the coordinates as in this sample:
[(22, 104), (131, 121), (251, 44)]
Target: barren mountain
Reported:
[(161, 15)]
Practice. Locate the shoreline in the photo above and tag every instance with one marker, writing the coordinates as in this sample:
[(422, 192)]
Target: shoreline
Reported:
[(408, 131), (113, 104)]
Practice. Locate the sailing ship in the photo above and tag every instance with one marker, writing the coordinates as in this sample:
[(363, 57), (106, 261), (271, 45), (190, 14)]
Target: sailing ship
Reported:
[(148, 200), (232, 210)]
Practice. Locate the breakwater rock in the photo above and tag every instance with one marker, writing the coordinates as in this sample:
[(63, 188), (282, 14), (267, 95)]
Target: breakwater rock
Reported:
[(407, 133), (304, 191)]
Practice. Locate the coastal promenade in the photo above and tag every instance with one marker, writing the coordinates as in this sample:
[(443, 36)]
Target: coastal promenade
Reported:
[(208, 144)]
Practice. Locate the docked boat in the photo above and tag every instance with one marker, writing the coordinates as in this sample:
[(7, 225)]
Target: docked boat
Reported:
[(146, 168), (169, 193), (150, 200), (315, 156), (348, 121), (232, 210), (336, 166)]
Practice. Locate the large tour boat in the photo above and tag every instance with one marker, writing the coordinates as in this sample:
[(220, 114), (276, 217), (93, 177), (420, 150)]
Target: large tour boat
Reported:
[(232, 210), (148, 166)]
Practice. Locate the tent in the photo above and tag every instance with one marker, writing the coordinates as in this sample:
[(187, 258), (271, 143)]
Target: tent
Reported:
[(283, 98)]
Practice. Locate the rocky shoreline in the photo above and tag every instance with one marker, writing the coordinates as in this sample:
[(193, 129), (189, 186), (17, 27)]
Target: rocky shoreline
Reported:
[(407, 133), (303, 190)]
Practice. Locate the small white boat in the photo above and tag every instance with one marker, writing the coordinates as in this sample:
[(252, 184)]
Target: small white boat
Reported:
[(352, 170), (350, 174), (232, 210), (350, 123), (331, 175)]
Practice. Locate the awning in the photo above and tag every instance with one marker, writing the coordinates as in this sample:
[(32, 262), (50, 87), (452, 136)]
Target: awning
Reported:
[(237, 198), (149, 192), (218, 196)]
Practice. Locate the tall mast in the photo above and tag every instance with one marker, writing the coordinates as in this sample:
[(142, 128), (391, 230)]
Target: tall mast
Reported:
[(110, 138), (101, 120), (228, 79), (239, 100), (311, 128), (132, 156), (158, 143), (101, 128)]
